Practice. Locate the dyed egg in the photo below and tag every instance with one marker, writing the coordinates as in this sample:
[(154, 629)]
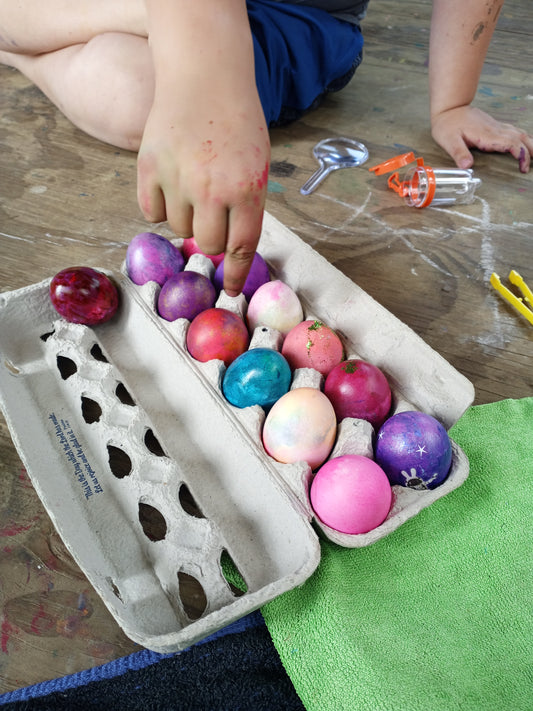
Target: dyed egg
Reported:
[(83, 295), (258, 377), (190, 247), (311, 344), (414, 450), (257, 276), (301, 426), (359, 389), (152, 257), (217, 334), (351, 494), (274, 305), (185, 295)]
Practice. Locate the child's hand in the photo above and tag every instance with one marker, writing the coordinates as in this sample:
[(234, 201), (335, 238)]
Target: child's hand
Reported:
[(203, 166), (204, 158), (457, 130)]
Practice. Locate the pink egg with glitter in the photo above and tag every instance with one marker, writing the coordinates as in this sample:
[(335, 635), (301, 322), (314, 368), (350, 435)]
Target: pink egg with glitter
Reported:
[(351, 494), (190, 247), (274, 305), (300, 426), (311, 344)]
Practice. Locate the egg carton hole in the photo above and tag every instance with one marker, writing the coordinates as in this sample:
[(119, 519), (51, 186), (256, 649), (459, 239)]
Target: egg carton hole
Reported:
[(123, 395), (98, 354), (66, 366), (232, 575), (119, 461), (192, 595), (45, 336), (152, 443), (188, 502), (152, 521), (90, 410)]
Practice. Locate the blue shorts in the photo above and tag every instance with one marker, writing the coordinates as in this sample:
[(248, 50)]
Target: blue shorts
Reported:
[(301, 54)]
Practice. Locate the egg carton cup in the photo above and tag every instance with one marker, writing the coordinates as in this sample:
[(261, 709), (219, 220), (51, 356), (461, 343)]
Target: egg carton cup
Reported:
[(162, 490)]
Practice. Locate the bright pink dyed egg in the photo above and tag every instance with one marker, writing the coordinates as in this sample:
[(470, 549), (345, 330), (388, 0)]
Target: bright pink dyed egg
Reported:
[(217, 334), (190, 247), (84, 295), (311, 344), (359, 389), (351, 494)]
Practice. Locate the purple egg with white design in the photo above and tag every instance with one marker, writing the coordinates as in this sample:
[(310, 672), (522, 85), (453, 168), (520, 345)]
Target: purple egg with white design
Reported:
[(152, 257), (257, 276), (414, 450), (185, 295)]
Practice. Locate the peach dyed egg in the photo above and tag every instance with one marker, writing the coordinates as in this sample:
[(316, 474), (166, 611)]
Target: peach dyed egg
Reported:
[(274, 305), (301, 426), (311, 344)]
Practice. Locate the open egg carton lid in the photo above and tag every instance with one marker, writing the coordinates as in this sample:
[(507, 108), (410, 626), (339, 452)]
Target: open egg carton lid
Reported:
[(162, 490)]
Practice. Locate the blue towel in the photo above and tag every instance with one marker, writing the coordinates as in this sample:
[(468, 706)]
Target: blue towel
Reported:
[(234, 669)]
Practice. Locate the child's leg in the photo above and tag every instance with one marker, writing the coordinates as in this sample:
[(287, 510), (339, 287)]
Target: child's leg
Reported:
[(105, 86), (34, 27)]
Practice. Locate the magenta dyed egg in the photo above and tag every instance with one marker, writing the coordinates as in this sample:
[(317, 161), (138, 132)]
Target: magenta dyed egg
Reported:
[(152, 257), (414, 450), (217, 334), (257, 276), (185, 295), (300, 426), (311, 344), (84, 295), (359, 389), (351, 494), (190, 247)]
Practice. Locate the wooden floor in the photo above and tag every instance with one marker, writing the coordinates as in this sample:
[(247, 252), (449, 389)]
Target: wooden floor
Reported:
[(66, 199)]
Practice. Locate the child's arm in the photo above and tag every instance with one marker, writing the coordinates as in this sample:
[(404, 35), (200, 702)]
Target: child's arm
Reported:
[(461, 31), (204, 158)]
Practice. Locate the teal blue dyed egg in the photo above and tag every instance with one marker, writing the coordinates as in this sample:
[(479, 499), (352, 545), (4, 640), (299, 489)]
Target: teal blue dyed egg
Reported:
[(259, 376)]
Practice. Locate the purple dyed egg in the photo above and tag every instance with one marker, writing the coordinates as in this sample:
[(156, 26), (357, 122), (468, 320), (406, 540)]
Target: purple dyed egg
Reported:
[(152, 257), (257, 276), (185, 295), (414, 450)]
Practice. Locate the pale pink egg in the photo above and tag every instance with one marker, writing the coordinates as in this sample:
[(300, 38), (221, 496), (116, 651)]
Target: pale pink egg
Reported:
[(274, 305), (312, 344), (301, 426), (351, 494)]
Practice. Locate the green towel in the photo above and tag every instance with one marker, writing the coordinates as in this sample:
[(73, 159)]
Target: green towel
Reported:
[(438, 616)]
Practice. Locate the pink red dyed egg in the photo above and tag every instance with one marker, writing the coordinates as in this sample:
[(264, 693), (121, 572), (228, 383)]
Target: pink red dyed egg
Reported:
[(351, 494), (185, 295), (257, 276), (152, 257), (301, 426), (274, 305), (84, 295), (311, 344), (190, 247), (359, 389), (217, 334), (414, 450)]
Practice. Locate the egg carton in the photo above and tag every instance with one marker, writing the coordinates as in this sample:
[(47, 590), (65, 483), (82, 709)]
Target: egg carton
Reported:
[(162, 490)]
